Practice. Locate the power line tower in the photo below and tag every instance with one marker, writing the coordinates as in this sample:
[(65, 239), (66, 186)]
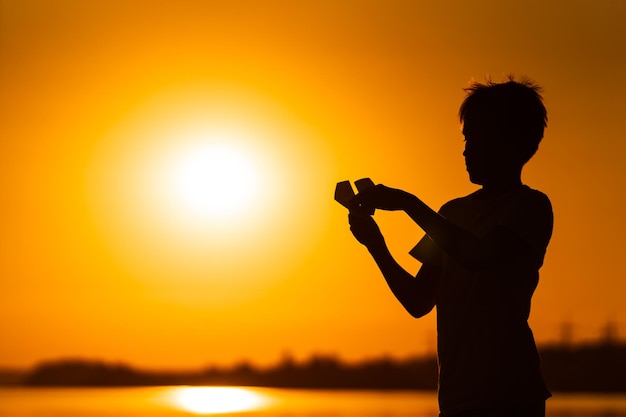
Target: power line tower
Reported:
[(610, 335), (567, 334)]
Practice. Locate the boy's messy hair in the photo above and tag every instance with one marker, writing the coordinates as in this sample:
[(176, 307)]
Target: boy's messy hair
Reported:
[(515, 108)]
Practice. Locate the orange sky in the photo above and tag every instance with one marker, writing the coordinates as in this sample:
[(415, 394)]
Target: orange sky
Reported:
[(95, 97)]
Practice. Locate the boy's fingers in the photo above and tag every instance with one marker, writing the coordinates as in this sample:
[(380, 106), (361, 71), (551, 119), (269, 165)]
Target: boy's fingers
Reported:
[(355, 217), (365, 201), (358, 219), (356, 205), (363, 198)]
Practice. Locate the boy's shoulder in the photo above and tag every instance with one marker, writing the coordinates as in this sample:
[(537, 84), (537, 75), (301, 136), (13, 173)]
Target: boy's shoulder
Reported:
[(522, 194)]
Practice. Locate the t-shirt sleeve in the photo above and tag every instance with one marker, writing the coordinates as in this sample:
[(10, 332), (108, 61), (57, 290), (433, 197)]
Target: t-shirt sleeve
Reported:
[(427, 251), (532, 221)]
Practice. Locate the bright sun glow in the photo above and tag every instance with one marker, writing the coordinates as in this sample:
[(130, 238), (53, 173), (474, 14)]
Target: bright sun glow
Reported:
[(208, 178), (217, 400), (210, 186), (213, 179)]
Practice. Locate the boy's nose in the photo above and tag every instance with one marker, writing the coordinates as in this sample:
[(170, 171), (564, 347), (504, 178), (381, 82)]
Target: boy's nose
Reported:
[(468, 150), (473, 149)]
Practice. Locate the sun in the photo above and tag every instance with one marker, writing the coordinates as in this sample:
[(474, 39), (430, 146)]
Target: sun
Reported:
[(212, 178), (208, 178), (209, 187)]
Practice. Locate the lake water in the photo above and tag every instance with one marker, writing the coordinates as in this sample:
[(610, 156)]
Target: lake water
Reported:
[(259, 402)]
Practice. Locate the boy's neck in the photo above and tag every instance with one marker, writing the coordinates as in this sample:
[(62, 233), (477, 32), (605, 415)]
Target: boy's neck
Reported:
[(501, 185)]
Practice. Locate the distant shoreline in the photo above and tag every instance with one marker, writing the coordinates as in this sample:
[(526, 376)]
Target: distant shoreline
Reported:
[(593, 368)]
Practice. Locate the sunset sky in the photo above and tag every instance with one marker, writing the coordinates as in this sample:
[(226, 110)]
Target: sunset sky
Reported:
[(110, 113)]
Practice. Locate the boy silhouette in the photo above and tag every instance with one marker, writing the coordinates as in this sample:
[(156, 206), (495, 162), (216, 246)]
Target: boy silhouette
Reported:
[(480, 258)]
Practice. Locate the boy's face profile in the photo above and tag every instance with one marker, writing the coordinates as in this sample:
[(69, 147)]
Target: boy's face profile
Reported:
[(488, 155)]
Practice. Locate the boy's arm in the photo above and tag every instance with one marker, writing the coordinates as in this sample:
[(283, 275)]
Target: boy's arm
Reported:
[(465, 248), (416, 294)]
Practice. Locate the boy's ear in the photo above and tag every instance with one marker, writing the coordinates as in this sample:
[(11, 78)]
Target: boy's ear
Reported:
[(523, 151)]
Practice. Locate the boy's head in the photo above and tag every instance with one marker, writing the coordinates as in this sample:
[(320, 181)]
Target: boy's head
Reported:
[(503, 124)]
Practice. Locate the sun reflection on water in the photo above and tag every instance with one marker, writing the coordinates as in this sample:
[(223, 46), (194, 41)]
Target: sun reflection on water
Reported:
[(218, 400)]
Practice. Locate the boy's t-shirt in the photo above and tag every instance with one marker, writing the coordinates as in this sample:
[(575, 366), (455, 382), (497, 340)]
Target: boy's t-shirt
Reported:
[(487, 353)]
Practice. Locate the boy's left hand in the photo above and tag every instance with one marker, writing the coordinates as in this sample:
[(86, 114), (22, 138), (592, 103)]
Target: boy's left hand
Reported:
[(365, 229)]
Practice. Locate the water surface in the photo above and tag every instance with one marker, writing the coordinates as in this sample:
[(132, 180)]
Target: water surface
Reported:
[(259, 402)]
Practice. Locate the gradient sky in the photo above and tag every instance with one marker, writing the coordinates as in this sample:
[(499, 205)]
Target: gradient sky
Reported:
[(98, 100)]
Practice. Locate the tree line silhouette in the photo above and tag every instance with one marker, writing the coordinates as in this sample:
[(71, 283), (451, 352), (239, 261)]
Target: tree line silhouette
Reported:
[(599, 367)]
